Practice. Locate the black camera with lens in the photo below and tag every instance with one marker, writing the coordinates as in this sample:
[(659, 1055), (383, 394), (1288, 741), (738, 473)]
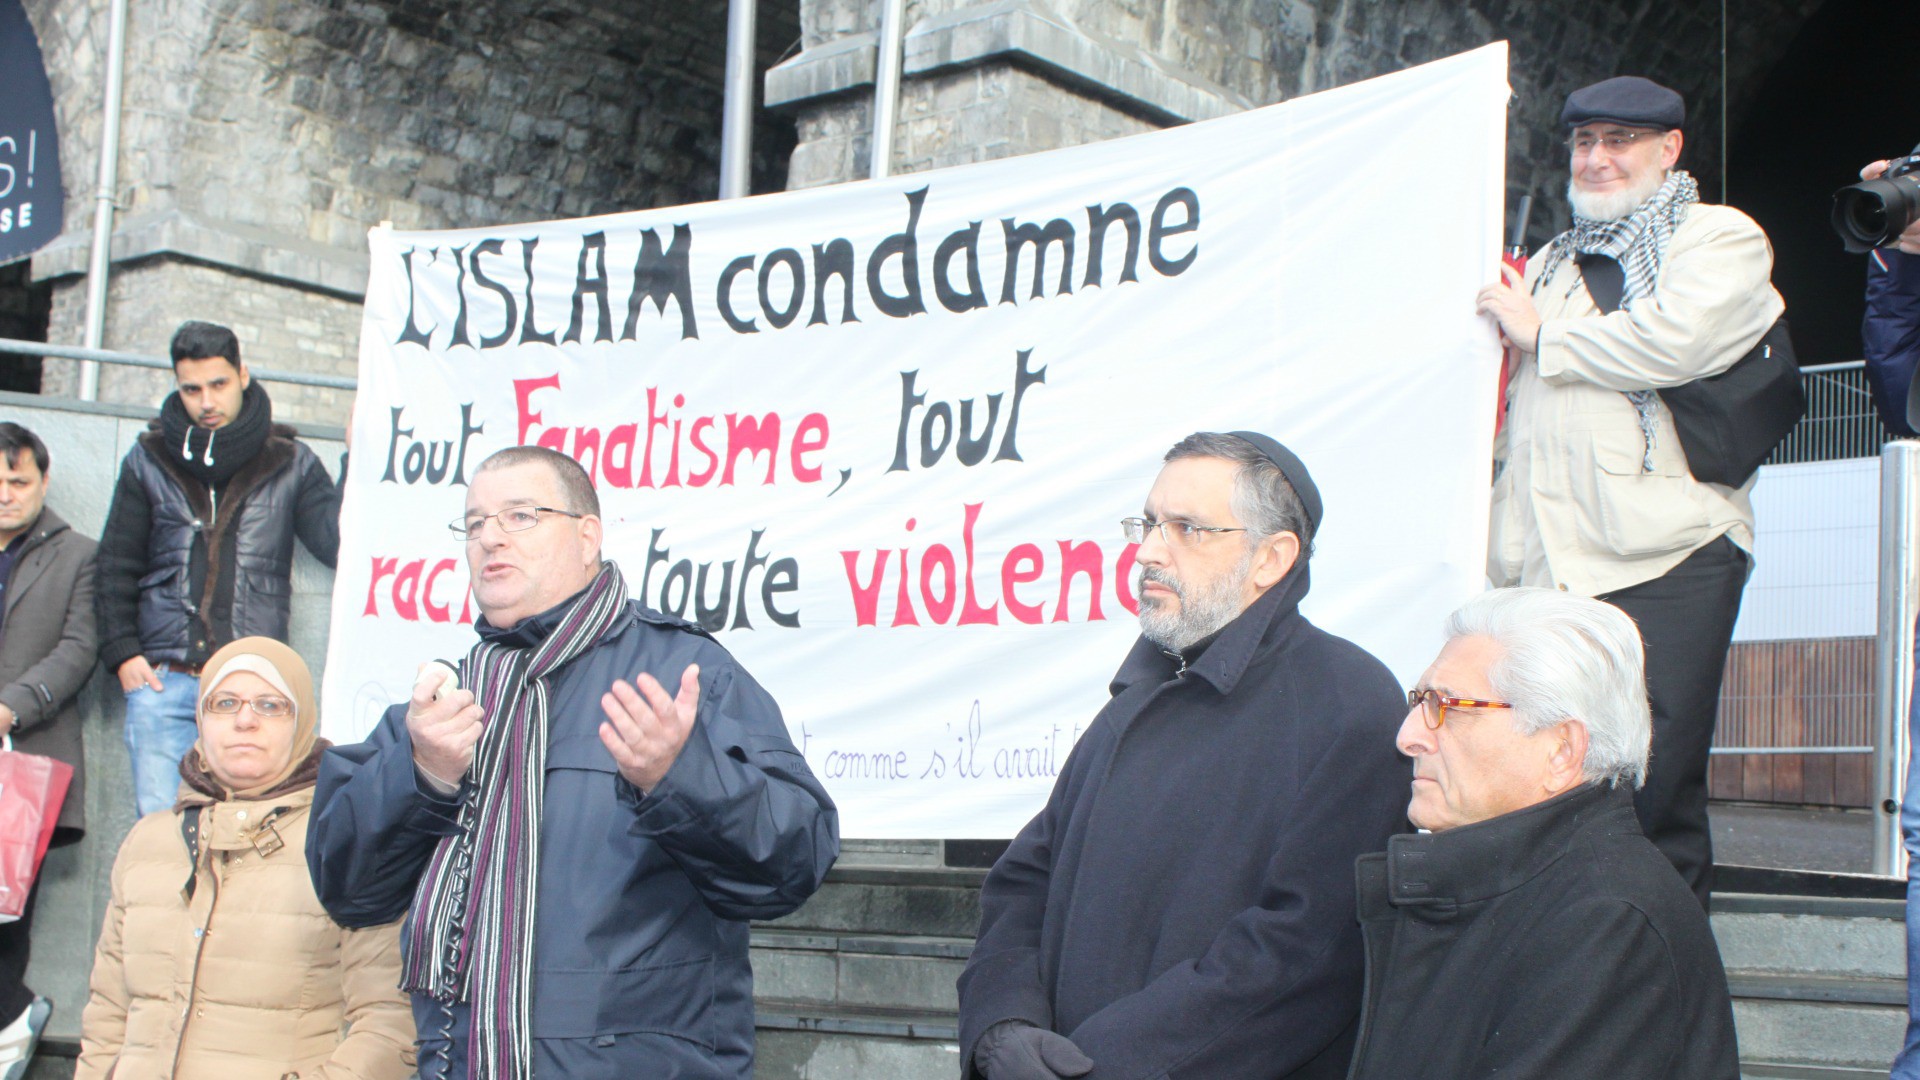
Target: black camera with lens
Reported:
[(1873, 213)]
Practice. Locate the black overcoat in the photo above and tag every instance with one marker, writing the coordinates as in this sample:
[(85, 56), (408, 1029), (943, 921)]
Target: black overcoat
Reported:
[(1182, 907), (1554, 941)]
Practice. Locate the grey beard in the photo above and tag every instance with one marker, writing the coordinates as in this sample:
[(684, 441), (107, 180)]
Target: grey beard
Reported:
[(1595, 207), (1202, 612)]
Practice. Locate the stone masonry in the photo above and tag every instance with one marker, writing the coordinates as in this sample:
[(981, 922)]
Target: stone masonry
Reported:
[(262, 138), (986, 80), (280, 328)]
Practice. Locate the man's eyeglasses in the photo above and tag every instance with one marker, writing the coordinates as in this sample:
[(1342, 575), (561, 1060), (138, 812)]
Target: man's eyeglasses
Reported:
[(513, 519), (1173, 531), (266, 706), (1614, 141), (1433, 705)]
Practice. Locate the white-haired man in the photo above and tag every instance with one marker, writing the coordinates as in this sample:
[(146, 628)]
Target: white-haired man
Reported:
[(1592, 492), (1530, 930)]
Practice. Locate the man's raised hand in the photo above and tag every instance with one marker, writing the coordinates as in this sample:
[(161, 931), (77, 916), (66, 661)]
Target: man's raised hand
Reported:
[(645, 728), (443, 726), (1512, 308)]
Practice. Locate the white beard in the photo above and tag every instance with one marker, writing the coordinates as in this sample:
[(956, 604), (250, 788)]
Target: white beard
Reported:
[(1597, 206)]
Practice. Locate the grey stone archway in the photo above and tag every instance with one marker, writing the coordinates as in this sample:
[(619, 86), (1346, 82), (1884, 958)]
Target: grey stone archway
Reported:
[(262, 138)]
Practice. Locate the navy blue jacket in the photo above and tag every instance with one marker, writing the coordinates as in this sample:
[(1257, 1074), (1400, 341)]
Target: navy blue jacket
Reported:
[(641, 927), (1890, 335), (1183, 906)]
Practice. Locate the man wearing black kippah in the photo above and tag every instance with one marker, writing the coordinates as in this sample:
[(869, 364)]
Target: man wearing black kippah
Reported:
[(1183, 906), (1649, 290)]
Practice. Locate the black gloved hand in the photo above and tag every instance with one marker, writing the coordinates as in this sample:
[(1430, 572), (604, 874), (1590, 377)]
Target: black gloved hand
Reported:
[(1015, 1050)]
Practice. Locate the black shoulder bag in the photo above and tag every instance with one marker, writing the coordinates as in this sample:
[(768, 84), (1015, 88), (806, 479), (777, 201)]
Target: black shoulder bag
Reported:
[(1729, 422)]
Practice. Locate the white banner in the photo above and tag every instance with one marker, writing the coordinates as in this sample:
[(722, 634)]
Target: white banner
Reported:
[(878, 437)]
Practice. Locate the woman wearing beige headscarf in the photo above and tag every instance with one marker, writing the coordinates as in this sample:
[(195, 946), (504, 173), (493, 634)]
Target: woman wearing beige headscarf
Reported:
[(216, 959)]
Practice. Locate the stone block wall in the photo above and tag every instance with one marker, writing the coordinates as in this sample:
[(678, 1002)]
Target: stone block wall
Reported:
[(1214, 56), (318, 119), (281, 327), (955, 118), (262, 138)]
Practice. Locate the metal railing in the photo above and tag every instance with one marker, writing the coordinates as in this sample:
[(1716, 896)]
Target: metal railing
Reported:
[(1829, 710), (108, 356), (1840, 421)]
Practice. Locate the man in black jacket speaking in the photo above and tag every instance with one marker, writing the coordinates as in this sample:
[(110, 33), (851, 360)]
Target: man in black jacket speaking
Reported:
[(198, 546), (1182, 907), (1532, 930)]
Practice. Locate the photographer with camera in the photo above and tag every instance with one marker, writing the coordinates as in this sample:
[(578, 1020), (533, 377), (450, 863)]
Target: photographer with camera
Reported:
[(1650, 292), (1881, 216)]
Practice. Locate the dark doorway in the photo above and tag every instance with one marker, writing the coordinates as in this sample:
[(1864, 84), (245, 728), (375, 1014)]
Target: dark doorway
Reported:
[(24, 308), (1846, 92)]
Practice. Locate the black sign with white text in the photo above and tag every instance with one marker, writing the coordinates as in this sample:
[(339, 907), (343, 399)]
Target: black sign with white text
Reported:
[(30, 193)]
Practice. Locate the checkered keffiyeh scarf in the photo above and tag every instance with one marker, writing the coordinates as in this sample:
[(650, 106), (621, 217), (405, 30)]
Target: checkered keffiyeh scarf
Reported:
[(1638, 242), (470, 931)]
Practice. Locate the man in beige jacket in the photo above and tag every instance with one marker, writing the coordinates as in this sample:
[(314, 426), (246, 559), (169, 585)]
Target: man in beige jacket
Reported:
[(1591, 491)]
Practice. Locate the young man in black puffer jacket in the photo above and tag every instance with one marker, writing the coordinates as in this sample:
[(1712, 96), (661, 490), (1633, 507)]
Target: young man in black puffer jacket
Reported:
[(198, 545)]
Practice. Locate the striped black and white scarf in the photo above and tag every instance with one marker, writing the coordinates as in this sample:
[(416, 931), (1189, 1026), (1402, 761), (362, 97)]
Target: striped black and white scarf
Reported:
[(470, 931), (1638, 242)]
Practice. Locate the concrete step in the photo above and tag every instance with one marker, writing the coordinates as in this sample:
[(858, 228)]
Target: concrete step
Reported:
[(862, 971), (1813, 935), (910, 901), (1819, 983), (859, 983), (805, 1041), (1817, 1035), (1764, 1071)]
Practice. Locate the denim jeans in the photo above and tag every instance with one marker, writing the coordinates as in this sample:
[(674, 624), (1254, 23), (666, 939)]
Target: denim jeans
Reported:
[(1907, 1065), (160, 729)]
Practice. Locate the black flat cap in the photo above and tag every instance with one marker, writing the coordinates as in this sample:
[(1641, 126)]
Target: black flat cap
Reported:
[(1292, 468), (1627, 99)]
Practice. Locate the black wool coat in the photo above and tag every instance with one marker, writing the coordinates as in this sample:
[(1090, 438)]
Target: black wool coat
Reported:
[(1182, 907), (1551, 942)]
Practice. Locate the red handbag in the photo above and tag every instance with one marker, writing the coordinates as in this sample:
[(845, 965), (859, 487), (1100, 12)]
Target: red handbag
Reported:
[(32, 789)]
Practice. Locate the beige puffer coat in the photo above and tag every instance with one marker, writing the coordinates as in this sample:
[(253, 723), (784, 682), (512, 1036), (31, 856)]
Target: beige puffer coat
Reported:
[(245, 977)]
